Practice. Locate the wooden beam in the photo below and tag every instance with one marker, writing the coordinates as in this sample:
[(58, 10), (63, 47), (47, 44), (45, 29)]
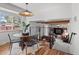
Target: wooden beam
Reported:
[(55, 22)]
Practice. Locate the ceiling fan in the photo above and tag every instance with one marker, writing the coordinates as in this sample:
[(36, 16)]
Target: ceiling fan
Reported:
[(26, 12)]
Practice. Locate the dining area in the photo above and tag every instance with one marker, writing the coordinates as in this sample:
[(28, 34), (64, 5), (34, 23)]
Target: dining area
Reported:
[(24, 42)]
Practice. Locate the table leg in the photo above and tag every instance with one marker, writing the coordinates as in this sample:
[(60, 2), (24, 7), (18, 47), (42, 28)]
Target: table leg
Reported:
[(26, 47)]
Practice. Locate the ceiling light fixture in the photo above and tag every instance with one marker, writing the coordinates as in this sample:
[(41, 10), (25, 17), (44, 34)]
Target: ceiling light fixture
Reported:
[(25, 13)]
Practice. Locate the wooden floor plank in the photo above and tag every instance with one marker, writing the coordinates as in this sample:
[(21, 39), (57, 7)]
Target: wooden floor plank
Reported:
[(4, 50)]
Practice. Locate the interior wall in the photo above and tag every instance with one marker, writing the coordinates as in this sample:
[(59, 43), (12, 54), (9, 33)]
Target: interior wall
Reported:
[(74, 49), (4, 36), (35, 28)]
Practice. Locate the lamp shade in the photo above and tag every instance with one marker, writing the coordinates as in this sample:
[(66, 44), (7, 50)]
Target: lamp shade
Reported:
[(25, 13)]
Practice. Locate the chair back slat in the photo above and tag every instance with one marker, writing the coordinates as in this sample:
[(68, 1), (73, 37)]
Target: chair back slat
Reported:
[(9, 38)]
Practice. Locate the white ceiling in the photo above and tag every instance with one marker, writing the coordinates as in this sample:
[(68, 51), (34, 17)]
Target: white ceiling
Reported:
[(44, 11), (9, 9), (21, 5), (47, 11), (10, 6)]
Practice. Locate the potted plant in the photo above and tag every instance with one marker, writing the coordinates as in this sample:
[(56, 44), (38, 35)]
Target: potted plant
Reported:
[(25, 28)]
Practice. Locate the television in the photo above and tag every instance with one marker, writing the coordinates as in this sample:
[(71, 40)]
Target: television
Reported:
[(58, 31)]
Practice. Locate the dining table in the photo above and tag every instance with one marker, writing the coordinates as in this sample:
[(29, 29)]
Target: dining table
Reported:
[(18, 35), (24, 39)]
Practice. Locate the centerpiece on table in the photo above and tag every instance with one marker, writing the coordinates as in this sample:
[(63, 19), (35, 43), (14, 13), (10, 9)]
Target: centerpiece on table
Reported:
[(25, 28)]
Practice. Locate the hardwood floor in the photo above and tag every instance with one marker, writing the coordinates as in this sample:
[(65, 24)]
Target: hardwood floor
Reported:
[(47, 51), (4, 49), (44, 50)]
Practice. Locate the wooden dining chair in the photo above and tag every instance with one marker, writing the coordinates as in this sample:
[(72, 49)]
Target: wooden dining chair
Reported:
[(12, 41), (29, 41), (35, 38)]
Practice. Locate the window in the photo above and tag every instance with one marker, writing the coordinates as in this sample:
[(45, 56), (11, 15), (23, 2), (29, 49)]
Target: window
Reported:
[(9, 23), (2, 20)]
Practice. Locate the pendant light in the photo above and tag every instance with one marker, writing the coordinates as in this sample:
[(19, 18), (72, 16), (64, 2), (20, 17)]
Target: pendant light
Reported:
[(25, 13)]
